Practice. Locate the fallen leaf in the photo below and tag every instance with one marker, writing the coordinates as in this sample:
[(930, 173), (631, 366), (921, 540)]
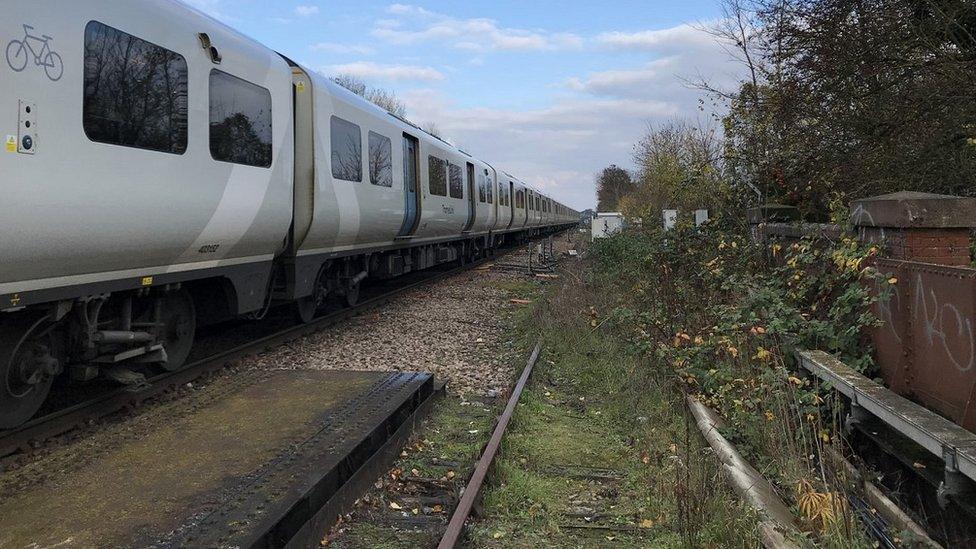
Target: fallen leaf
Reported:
[(450, 474), (395, 505), (647, 523)]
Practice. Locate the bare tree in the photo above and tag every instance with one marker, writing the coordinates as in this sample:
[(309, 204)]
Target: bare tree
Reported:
[(849, 99), (432, 128), (386, 99), (679, 166)]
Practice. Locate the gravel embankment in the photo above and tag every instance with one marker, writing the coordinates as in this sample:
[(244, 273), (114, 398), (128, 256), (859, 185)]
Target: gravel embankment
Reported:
[(455, 329)]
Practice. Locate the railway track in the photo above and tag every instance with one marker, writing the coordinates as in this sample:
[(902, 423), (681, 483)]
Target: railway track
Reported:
[(64, 420), (455, 528)]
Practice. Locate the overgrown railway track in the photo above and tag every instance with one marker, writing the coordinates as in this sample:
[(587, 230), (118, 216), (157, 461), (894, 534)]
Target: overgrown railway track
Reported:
[(64, 420)]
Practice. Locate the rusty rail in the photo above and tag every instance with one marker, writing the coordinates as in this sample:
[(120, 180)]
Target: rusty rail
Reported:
[(456, 527)]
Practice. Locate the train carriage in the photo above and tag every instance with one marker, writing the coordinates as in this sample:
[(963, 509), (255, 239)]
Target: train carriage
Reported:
[(162, 171)]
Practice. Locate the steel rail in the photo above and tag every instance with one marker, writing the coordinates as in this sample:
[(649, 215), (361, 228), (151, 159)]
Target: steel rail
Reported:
[(67, 419), (456, 526)]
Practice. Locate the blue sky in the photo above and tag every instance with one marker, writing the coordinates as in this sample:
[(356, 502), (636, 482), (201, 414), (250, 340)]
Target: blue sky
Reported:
[(550, 91)]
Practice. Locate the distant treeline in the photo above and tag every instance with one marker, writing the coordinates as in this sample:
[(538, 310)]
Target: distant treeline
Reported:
[(843, 99)]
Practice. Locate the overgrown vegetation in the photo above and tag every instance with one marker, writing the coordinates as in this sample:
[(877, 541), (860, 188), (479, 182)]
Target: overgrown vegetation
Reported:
[(649, 317), (841, 100), (600, 452), (725, 316)]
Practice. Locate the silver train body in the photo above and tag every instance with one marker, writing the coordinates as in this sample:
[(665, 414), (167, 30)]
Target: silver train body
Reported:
[(159, 168)]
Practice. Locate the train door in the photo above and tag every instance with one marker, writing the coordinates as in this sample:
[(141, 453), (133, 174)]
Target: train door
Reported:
[(472, 198), (511, 202), (411, 186)]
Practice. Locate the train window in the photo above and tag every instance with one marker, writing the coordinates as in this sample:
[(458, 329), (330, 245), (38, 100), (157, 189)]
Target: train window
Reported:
[(457, 181), (240, 121), (438, 176), (482, 188), (488, 187), (347, 150), (135, 92), (380, 160)]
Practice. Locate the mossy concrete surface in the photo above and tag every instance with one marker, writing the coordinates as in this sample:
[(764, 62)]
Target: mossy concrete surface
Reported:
[(150, 486)]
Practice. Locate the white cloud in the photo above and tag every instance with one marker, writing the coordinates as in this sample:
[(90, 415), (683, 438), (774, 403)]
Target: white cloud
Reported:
[(560, 147), (686, 54), (306, 11), (407, 9), (376, 71), (475, 34), (674, 40), (335, 47)]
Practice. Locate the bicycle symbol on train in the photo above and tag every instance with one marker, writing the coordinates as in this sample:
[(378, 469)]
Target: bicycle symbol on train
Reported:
[(19, 53)]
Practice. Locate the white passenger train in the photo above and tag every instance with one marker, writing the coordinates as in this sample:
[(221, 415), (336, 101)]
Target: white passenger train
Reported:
[(161, 171)]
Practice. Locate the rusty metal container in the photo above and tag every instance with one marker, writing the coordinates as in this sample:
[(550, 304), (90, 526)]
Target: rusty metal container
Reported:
[(926, 348)]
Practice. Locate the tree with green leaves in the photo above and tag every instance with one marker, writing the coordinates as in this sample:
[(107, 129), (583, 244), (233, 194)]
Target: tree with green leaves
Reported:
[(612, 185)]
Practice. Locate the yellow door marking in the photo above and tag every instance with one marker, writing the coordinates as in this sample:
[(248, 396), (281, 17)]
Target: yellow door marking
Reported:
[(11, 143), (147, 281), (15, 300)]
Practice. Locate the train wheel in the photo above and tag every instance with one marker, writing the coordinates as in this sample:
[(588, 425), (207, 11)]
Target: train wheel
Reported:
[(180, 325), (352, 293), (27, 370), (309, 308)]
